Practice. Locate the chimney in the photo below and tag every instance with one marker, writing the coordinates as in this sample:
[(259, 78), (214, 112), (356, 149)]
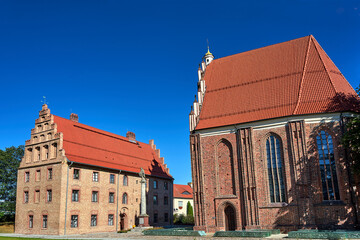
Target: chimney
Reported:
[(74, 117), (190, 184), (131, 136)]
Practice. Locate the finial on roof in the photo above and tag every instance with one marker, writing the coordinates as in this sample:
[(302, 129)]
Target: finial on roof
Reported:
[(44, 101), (195, 99), (192, 111), (208, 52)]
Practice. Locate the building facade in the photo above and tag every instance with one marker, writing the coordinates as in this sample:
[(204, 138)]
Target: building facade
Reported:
[(182, 195), (265, 141), (76, 179)]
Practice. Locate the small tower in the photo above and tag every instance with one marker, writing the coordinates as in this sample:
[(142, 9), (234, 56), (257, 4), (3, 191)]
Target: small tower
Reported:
[(208, 57)]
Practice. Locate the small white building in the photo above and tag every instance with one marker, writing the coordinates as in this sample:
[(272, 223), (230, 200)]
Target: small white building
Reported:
[(182, 195)]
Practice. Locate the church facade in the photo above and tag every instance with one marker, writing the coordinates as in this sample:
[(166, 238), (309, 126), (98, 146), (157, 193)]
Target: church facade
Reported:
[(76, 179), (265, 141)]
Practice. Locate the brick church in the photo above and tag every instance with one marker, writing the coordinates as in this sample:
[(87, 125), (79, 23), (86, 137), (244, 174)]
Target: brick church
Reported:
[(76, 179), (265, 133)]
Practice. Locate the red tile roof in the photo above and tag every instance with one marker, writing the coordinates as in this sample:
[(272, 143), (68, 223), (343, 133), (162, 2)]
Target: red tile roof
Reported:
[(290, 78), (179, 191), (88, 145)]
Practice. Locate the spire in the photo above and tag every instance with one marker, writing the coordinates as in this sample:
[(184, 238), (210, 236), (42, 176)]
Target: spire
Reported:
[(208, 56)]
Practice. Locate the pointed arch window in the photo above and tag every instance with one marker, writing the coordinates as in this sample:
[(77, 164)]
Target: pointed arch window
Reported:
[(124, 198), (275, 169), (329, 182)]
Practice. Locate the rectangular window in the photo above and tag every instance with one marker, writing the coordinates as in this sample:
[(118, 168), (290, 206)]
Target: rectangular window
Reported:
[(26, 196), (155, 198), (44, 224), (27, 176), (155, 217), (93, 220), (111, 197), (37, 196), (50, 173), (95, 176), (112, 178), (37, 175), (76, 174), (166, 200), (74, 221), (155, 184), (75, 195), (31, 221), (111, 219), (94, 196), (166, 185), (49, 195), (180, 204), (166, 217)]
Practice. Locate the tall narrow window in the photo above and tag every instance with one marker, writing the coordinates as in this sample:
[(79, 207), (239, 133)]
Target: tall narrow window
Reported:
[(95, 196), (155, 184), (111, 197), (46, 151), (155, 200), (327, 164), (74, 221), (95, 176), (26, 196), (275, 169), (37, 153), (166, 186), (76, 174), (93, 220), (125, 181), (112, 178), (111, 219), (27, 176), (124, 198), (45, 221), (49, 195), (37, 196), (50, 173), (31, 221), (75, 195)]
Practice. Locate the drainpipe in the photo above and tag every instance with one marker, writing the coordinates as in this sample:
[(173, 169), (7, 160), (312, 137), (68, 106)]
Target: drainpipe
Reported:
[(67, 193), (117, 202)]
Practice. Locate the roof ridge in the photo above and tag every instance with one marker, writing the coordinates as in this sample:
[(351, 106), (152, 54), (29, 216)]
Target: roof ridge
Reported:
[(97, 130), (302, 76), (259, 48), (322, 61)]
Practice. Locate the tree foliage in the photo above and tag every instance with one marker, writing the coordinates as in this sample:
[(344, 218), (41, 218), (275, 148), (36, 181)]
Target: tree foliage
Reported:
[(9, 162), (189, 209), (351, 139)]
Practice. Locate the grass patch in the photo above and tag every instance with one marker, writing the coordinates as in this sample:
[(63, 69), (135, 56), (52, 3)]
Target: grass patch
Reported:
[(8, 228)]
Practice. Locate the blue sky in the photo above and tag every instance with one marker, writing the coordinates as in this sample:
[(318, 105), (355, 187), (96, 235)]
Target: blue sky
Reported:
[(132, 65)]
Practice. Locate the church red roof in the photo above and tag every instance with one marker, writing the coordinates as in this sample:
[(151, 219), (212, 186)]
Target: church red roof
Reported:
[(88, 145), (182, 191), (290, 78)]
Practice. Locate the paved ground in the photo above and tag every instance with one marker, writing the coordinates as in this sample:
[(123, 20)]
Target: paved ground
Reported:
[(130, 235)]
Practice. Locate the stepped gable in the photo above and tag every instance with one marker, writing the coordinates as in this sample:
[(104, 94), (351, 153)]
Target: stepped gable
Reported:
[(87, 145), (291, 78), (179, 189)]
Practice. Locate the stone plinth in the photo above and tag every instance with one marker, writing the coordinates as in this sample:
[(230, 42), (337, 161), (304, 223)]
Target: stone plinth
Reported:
[(144, 220)]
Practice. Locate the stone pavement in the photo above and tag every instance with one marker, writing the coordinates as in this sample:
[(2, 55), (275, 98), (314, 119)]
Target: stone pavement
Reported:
[(129, 236)]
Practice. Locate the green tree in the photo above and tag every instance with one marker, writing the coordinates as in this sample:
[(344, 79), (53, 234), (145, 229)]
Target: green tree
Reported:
[(351, 139), (9, 162), (189, 209)]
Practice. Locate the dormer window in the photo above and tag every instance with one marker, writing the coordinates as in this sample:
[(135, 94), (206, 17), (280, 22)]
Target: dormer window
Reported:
[(186, 193)]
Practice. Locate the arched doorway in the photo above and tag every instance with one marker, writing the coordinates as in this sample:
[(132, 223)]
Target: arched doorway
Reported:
[(230, 220), (123, 221)]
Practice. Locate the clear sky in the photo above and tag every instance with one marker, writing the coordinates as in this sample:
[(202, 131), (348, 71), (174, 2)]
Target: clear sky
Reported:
[(132, 65)]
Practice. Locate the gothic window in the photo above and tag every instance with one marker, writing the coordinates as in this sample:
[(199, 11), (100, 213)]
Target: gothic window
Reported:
[(275, 169), (124, 198), (327, 164)]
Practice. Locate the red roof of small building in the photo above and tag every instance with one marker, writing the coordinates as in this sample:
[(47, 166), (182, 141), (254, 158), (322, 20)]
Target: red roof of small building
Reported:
[(290, 78), (179, 191), (92, 146)]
